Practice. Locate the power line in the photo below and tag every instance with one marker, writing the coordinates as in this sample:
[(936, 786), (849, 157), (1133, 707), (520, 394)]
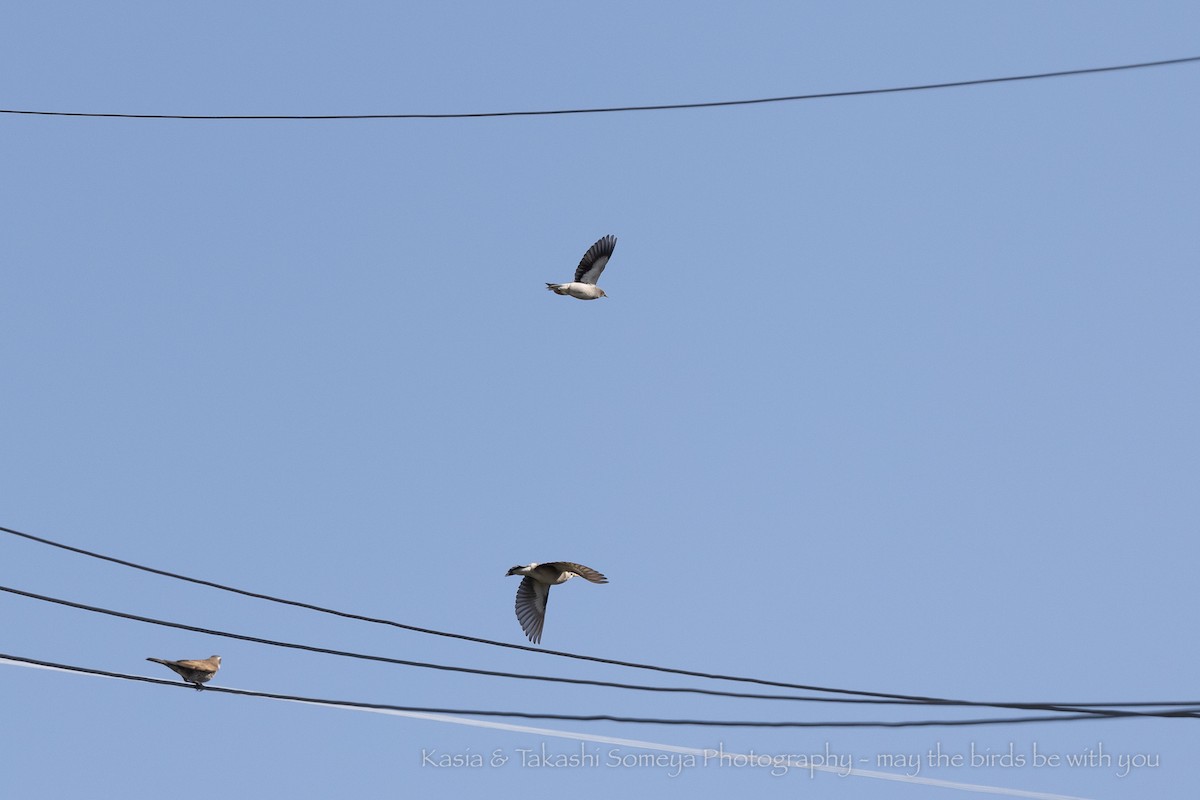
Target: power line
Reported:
[(868, 697), (447, 634), (615, 109), (444, 667), (803, 762), (563, 654), (595, 717), (1104, 709)]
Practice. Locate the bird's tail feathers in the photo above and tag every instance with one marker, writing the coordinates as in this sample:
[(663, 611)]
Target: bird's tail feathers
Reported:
[(557, 288)]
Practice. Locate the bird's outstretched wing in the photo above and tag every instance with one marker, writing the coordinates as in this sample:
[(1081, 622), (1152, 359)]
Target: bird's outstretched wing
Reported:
[(531, 607), (595, 259), (579, 569)]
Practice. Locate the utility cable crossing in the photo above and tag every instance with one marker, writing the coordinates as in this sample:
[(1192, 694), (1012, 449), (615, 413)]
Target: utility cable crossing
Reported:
[(1102, 709)]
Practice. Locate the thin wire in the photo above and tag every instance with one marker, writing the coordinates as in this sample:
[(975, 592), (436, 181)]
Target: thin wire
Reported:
[(559, 653), (432, 632), (555, 679), (799, 762), (445, 667), (593, 717), (615, 109)]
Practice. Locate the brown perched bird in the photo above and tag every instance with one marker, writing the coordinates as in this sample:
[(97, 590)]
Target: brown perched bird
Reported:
[(534, 590), (197, 672)]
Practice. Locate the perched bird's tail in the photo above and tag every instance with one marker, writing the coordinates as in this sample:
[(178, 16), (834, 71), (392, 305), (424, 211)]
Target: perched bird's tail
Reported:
[(162, 661), (557, 288)]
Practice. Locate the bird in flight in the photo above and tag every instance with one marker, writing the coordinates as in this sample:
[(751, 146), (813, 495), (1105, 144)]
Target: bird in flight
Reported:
[(534, 590), (196, 672), (588, 272)]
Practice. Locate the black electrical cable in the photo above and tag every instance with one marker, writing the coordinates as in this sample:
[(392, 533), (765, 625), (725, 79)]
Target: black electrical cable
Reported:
[(593, 717), (554, 679), (595, 659), (614, 109), (446, 667)]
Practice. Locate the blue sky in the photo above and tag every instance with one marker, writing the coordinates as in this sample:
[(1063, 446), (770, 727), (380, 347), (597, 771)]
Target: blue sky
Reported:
[(894, 393)]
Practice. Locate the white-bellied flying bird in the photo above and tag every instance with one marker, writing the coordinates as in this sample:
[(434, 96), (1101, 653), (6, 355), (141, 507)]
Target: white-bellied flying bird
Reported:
[(588, 272), (534, 590), (195, 672)]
